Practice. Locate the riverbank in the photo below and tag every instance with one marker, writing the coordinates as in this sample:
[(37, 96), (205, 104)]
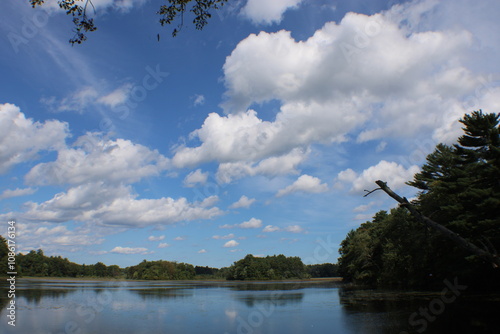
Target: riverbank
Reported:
[(110, 279)]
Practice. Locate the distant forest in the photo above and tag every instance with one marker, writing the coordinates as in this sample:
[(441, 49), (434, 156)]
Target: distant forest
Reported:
[(277, 267), (459, 188)]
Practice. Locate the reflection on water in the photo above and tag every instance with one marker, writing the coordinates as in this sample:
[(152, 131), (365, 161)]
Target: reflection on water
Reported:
[(159, 293), (129, 307), (418, 312), (278, 298)]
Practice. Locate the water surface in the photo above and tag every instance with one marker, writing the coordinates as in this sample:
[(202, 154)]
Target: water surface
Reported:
[(130, 307)]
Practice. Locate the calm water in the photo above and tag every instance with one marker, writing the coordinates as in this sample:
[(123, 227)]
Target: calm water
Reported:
[(58, 306)]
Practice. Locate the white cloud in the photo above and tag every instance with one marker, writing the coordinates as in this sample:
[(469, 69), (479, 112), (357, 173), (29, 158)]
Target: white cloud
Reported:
[(231, 243), (361, 208), (202, 251), (270, 228), (116, 97), (179, 238), (272, 166), (77, 101), (156, 238), (391, 172), (196, 177), (305, 183), (364, 78), (129, 250), (118, 5), (95, 158), (8, 193), (223, 237), (252, 223), (231, 138), (243, 202), (294, 229), (115, 205), (163, 245), (268, 12), (21, 138), (55, 238), (289, 228)]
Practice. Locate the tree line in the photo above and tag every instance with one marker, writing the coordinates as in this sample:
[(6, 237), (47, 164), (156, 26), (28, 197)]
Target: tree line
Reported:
[(459, 188), (37, 264)]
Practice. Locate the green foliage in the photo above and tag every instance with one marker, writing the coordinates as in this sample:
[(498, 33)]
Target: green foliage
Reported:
[(322, 270), (276, 267), (175, 9), (161, 270), (36, 264), (4, 251), (459, 189)]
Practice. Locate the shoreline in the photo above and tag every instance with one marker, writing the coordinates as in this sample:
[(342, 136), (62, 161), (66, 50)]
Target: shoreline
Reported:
[(108, 279)]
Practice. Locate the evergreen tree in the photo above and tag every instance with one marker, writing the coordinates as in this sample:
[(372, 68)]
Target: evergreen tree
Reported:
[(459, 189)]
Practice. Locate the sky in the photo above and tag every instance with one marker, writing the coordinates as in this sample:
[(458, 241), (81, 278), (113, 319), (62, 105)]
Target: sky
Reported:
[(257, 135)]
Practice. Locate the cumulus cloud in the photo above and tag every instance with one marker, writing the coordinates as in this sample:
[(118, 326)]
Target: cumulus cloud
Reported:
[(231, 243), (272, 166), (268, 12), (163, 245), (223, 237), (391, 172), (289, 228), (22, 139), (179, 238), (196, 177), (270, 228), (294, 229), (117, 206), (8, 193), (94, 158), (156, 238), (364, 78), (235, 137), (252, 223), (243, 202), (202, 251), (129, 250), (55, 237), (305, 183)]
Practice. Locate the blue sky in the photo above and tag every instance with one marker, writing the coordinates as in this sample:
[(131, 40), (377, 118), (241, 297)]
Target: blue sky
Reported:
[(257, 135)]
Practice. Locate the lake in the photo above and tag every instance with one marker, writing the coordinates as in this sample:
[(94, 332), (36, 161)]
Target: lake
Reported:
[(125, 307)]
